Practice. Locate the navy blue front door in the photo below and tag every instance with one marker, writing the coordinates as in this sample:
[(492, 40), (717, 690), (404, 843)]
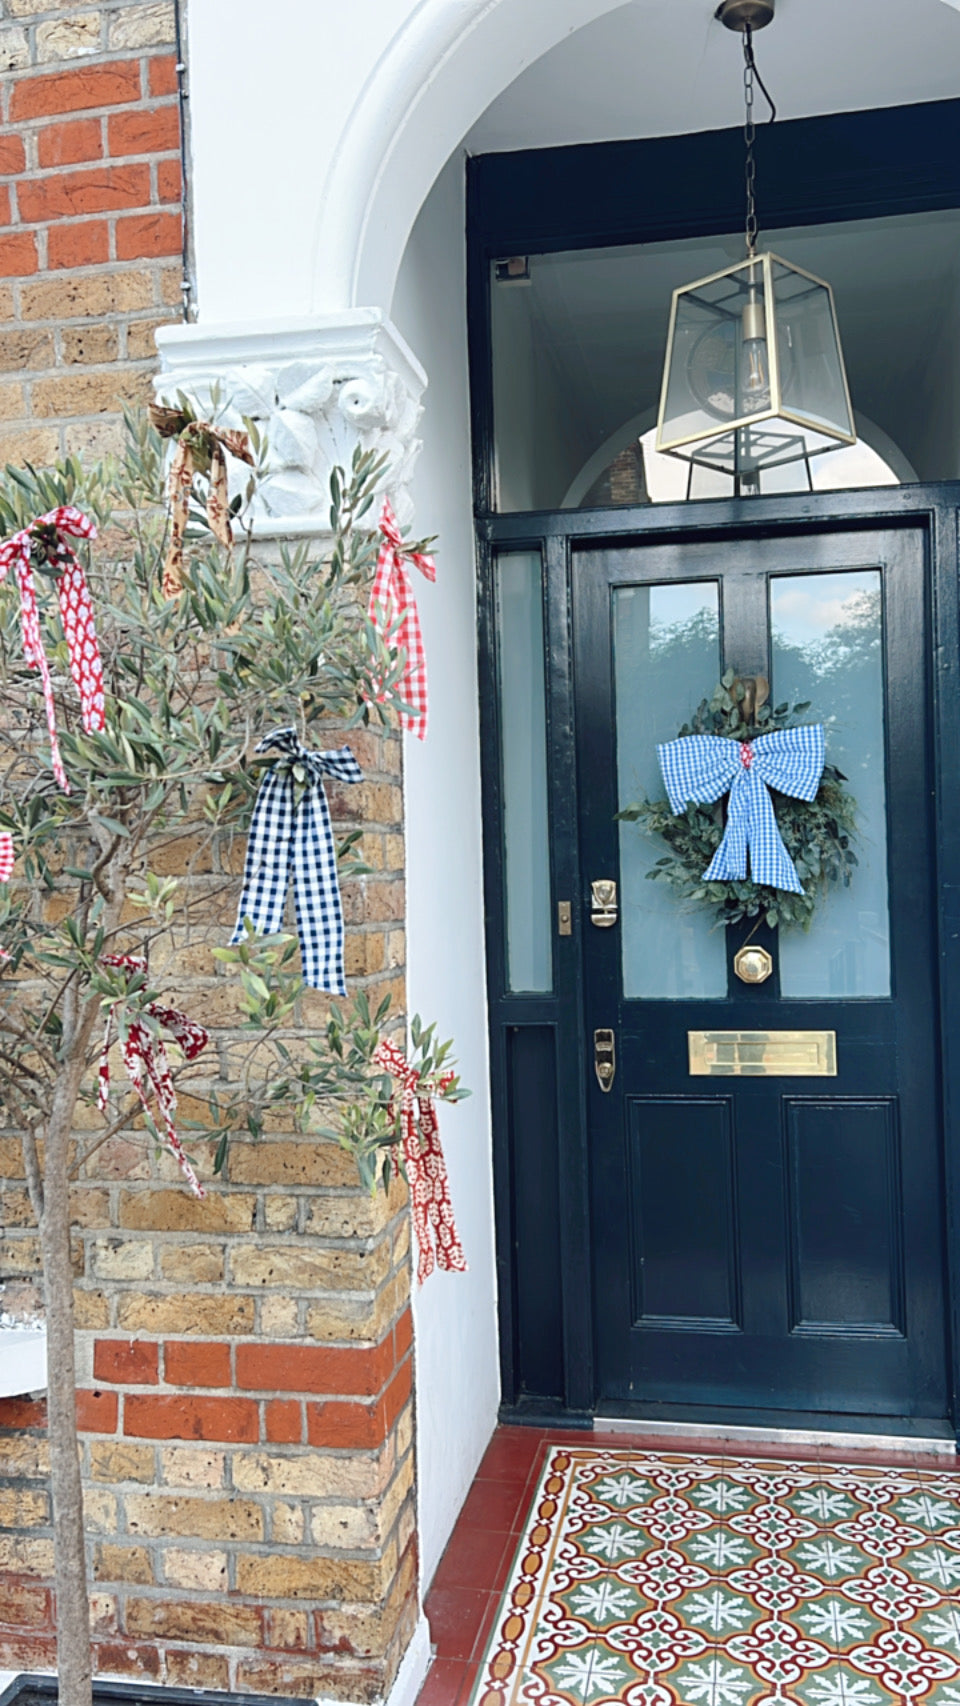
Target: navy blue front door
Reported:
[(765, 1243)]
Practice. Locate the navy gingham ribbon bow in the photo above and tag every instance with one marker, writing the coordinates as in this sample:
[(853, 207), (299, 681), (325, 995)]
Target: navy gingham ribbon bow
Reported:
[(702, 767), (294, 837)]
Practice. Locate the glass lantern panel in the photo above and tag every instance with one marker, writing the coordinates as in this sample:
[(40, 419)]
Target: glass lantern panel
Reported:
[(719, 362), (808, 350)]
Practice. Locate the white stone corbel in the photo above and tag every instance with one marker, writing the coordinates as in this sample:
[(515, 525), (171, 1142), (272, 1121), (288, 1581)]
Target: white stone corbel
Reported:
[(317, 389)]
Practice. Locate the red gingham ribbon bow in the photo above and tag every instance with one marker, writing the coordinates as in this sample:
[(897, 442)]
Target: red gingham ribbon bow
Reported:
[(6, 855), (76, 611), (426, 1168), (393, 611), (145, 1058)]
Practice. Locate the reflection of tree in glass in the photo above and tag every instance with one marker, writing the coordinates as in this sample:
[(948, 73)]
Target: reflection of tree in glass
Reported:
[(841, 674)]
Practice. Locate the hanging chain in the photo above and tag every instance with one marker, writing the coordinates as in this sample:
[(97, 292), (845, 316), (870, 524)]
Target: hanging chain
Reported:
[(750, 136), (750, 76)]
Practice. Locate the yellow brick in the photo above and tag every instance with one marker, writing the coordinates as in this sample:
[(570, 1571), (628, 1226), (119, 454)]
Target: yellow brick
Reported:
[(196, 1670), (201, 1263), (27, 346), (175, 1211), (202, 1570), (116, 1258), (279, 1163), (14, 49), (99, 1510), (114, 1461), (288, 1629), (160, 1514), (149, 25), (89, 393), (123, 1564), (348, 1528), (26, 1557), (69, 38), (91, 1309), (170, 291), (21, 1509), (20, 1256), (278, 1317), (288, 1525), (288, 1577), (89, 1207), (191, 1466), (138, 1312), (351, 1318), (16, 1209), (306, 1269), (280, 1213), (395, 852), (311, 1475), (79, 296), (39, 445), (218, 1624), (92, 440), (142, 338), (89, 344), (11, 402)]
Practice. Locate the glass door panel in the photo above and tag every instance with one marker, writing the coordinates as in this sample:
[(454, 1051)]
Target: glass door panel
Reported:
[(827, 647), (666, 657), (523, 759)]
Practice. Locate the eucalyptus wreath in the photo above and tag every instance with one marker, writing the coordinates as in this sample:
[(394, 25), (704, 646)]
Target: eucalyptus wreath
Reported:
[(818, 835)]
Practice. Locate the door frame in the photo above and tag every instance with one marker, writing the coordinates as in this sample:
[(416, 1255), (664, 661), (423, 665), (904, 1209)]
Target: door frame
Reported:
[(551, 1219)]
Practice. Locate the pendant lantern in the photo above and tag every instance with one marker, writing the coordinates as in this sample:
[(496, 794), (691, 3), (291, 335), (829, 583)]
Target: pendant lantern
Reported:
[(754, 375)]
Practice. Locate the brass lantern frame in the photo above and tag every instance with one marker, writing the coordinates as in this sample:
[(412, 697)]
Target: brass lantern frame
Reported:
[(680, 447)]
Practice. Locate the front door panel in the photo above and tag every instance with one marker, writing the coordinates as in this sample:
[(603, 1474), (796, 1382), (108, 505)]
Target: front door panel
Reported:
[(765, 1242)]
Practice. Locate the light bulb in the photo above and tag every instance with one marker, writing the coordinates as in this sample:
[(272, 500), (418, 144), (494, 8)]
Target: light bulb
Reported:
[(754, 360)]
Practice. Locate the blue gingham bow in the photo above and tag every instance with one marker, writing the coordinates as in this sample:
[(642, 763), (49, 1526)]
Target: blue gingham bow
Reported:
[(294, 837), (702, 767)]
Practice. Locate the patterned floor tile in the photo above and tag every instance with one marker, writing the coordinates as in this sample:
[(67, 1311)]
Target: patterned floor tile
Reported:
[(657, 1579)]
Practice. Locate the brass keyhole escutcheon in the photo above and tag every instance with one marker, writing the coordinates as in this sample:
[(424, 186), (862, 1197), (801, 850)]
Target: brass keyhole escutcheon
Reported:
[(603, 903), (604, 1059), (753, 964)]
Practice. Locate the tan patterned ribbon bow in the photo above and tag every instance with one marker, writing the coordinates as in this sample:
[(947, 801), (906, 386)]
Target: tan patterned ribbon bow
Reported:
[(145, 1059), (426, 1168), (200, 448)]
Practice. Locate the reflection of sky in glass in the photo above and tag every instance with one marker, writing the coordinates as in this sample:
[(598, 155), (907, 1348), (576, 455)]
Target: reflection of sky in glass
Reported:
[(826, 648), (667, 656)]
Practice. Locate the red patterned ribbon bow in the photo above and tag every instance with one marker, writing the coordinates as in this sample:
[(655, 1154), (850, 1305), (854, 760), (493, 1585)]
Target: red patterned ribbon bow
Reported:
[(145, 1059), (393, 612), (6, 855), (426, 1168), (76, 611)]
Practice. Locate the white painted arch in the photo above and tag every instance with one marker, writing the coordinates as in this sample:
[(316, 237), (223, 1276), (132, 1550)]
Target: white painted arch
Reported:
[(441, 68)]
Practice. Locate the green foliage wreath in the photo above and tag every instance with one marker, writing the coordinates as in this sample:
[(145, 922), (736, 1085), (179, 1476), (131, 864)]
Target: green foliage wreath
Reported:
[(817, 835)]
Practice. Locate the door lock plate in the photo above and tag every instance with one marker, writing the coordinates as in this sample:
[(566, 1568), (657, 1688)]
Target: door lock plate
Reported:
[(603, 903), (604, 1059)]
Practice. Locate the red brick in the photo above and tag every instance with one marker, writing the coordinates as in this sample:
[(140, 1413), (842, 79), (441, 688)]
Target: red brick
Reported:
[(11, 154), (97, 1412), (123, 1659), (169, 180), (149, 130), (28, 1652), (176, 1417), (18, 254), (403, 1334), (83, 245), (76, 91), (126, 1360), (4, 205), (315, 1368), (65, 144), (396, 1395), (69, 193), (24, 1606), (284, 1426), (23, 1413), (148, 234), (163, 74), (189, 1363), (347, 1427)]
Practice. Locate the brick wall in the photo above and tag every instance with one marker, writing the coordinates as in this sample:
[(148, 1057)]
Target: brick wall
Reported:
[(89, 219), (246, 1390)]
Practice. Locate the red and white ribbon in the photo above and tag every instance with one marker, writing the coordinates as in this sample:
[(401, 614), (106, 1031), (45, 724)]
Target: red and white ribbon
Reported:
[(426, 1168), (393, 613), (145, 1059), (6, 855), (76, 611)]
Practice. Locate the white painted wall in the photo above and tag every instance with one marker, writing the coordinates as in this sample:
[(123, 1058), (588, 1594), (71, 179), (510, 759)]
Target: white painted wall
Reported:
[(455, 1314)]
